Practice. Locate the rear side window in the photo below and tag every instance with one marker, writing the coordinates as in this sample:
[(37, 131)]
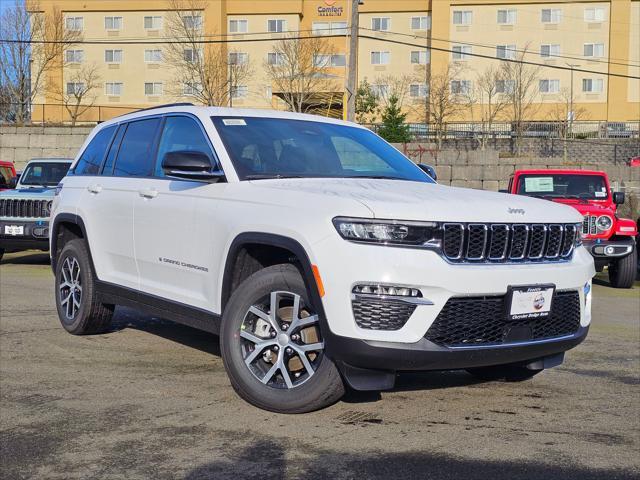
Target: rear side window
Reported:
[(181, 134), (135, 155), (91, 159)]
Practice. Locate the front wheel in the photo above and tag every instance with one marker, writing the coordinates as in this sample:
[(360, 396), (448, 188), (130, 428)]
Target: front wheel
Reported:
[(622, 272), (272, 345)]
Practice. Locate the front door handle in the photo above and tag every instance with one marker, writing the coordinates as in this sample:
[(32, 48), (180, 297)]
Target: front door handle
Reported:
[(95, 188), (148, 193)]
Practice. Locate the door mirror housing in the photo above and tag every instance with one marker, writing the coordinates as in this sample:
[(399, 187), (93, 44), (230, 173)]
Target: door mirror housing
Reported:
[(429, 170), (190, 165), (618, 198)]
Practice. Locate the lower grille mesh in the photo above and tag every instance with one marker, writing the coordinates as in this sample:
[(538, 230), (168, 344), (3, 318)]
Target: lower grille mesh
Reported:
[(483, 321), (381, 314)]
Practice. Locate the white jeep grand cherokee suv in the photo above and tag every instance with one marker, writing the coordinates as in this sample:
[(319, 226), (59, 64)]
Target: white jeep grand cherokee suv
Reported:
[(319, 254)]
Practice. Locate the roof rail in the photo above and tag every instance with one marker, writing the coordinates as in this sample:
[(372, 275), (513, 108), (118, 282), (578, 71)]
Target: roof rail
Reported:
[(181, 104)]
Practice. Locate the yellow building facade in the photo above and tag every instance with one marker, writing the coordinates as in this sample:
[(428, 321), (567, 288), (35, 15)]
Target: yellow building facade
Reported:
[(402, 44)]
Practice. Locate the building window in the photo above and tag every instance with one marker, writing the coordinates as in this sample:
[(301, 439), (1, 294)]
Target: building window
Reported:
[(74, 23), (592, 85), (462, 17), (152, 56), (326, 28), (594, 49), (113, 88), (191, 89), (339, 28), (380, 23), (113, 23), (507, 17), (549, 86), (75, 56), (192, 22), (191, 55), (238, 58), (75, 88), (461, 52), (551, 15), (153, 88), (460, 87), (335, 60), (420, 23), (547, 51), (276, 26), (239, 91), (380, 58), (594, 14), (113, 56), (380, 91), (153, 23), (420, 57), (505, 86), (506, 51), (238, 26), (275, 58), (418, 90)]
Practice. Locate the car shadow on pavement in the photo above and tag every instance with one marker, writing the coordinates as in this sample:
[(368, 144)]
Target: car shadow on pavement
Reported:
[(40, 258), (273, 459)]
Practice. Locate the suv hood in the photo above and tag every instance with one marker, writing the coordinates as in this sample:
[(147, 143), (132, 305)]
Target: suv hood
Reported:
[(407, 200), (29, 192)]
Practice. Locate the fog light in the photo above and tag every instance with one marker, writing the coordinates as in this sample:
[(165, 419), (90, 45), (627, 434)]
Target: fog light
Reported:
[(388, 290), (609, 250)]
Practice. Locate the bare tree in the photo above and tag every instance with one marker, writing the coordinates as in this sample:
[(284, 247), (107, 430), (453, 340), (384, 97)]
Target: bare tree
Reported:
[(297, 70), (444, 100), (79, 92), (205, 71), (35, 47), (491, 90), (523, 92), (560, 116), (397, 86)]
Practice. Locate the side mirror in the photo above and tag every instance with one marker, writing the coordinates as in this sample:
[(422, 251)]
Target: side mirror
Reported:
[(618, 198), (13, 182), (429, 170), (190, 165)]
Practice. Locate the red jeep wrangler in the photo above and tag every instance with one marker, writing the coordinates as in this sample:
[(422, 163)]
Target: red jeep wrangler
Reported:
[(610, 239), (7, 172)]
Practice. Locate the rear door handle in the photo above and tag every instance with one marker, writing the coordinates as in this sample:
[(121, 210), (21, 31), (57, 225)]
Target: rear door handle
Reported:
[(148, 193), (94, 188)]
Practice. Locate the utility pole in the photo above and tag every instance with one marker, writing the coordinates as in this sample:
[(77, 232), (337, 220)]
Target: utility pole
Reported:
[(570, 113), (352, 76)]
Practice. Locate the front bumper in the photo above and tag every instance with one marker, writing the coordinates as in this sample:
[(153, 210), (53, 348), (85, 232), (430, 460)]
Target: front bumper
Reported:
[(610, 249), (35, 235)]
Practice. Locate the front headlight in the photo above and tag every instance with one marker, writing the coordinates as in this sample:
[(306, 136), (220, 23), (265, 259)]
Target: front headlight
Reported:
[(389, 232), (604, 223)]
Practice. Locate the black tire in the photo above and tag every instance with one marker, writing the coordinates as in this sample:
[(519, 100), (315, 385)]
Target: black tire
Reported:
[(322, 387), (509, 373), (622, 272), (90, 316)]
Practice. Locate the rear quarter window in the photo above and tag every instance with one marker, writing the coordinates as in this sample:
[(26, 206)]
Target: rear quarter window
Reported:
[(92, 157)]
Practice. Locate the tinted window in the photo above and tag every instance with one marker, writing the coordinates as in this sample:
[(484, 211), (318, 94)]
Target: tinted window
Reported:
[(134, 157), (274, 147), (91, 159), (113, 151), (180, 134), (5, 176), (44, 173)]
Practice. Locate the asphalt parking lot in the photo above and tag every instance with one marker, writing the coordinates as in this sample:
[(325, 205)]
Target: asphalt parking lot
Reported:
[(150, 399)]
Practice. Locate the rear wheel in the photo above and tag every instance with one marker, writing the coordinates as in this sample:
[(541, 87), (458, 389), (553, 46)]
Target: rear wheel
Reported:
[(622, 272), (79, 309), (272, 346), (509, 373)]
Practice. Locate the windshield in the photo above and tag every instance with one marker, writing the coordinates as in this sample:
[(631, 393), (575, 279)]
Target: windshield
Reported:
[(5, 176), (44, 173), (278, 148), (588, 187)]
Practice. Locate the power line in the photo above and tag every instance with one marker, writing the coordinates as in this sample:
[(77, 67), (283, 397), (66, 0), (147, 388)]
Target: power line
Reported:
[(388, 40)]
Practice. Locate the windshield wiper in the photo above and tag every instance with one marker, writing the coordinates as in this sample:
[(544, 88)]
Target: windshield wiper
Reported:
[(269, 177), (378, 177)]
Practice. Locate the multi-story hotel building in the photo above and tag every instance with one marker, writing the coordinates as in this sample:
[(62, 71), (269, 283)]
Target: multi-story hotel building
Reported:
[(407, 40)]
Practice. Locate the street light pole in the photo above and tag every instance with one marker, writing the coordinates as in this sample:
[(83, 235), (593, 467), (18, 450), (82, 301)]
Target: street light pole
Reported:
[(352, 76), (570, 113)]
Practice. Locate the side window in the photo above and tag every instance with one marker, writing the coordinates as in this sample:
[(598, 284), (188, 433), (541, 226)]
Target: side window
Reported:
[(113, 151), (91, 159), (179, 134), (356, 157), (134, 158)]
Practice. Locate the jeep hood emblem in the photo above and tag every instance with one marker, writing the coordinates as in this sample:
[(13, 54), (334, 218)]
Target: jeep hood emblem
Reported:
[(516, 210)]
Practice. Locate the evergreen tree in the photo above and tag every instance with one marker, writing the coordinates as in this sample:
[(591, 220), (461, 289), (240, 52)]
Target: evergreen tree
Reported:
[(393, 128)]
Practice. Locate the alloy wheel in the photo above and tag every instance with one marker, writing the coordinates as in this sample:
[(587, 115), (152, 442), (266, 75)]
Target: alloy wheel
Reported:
[(70, 289)]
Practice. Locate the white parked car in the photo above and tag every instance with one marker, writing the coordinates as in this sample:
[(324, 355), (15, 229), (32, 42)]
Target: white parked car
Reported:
[(319, 253)]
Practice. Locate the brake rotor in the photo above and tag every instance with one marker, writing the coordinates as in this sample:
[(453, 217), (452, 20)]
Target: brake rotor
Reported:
[(307, 335)]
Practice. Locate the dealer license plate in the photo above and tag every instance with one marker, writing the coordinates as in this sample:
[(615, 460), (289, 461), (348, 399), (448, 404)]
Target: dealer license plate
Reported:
[(530, 302), (14, 230)]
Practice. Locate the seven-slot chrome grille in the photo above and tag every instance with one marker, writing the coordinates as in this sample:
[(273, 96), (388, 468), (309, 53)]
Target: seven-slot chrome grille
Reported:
[(24, 208), (504, 242), (589, 225)]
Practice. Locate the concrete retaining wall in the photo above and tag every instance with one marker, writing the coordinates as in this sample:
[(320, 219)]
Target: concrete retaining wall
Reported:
[(20, 144)]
